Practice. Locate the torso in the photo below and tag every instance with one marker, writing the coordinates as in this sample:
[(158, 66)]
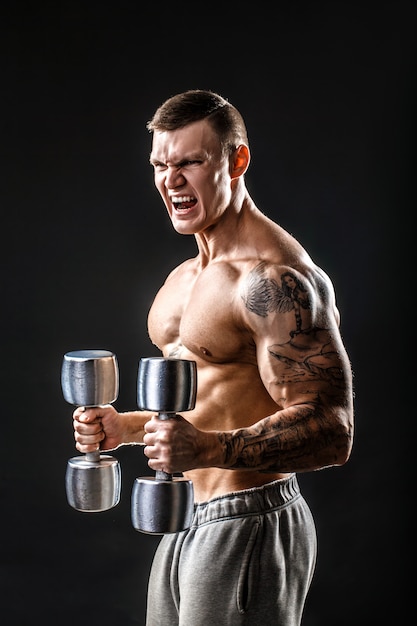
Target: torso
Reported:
[(198, 314)]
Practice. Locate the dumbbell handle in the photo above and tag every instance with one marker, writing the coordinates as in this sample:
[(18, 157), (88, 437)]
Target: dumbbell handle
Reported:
[(159, 474), (93, 457)]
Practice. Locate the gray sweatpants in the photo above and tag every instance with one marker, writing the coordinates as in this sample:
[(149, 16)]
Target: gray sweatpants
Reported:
[(248, 559)]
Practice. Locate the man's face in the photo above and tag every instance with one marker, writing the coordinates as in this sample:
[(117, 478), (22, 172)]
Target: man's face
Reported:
[(192, 176)]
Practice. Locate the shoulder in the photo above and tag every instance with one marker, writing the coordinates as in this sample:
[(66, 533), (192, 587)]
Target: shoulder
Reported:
[(183, 271), (269, 286)]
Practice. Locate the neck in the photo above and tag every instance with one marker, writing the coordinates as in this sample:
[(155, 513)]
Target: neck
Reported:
[(221, 238)]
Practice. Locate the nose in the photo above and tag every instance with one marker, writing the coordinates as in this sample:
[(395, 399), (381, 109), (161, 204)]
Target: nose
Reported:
[(174, 177)]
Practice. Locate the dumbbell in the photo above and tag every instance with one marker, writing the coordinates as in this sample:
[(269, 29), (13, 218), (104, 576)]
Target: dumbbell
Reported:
[(164, 504), (90, 378)]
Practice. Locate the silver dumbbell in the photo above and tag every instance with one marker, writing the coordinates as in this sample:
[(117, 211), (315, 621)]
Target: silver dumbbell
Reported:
[(164, 504), (90, 378)]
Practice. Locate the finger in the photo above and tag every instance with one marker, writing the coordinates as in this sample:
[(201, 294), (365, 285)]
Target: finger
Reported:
[(87, 440), (87, 416), (151, 425), (148, 439), (87, 429), (87, 448), (151, 452)]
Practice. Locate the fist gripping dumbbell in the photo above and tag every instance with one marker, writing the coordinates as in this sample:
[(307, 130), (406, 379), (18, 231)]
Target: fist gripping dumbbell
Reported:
[(164, 504), (90, 378)]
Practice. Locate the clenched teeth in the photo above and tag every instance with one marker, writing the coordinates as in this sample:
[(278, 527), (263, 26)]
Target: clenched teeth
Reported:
[(181, 199)]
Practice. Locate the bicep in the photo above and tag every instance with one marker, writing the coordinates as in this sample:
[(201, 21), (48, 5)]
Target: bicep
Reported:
[(294, 321)]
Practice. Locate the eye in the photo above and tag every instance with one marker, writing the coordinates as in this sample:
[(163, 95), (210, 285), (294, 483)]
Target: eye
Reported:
[(159, 167), (190, 162)]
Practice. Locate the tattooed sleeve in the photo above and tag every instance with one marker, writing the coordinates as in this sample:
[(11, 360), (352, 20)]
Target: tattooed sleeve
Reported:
[(298, 435)]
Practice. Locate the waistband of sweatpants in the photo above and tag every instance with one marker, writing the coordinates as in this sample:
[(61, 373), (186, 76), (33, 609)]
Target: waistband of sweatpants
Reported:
[(263, 499)]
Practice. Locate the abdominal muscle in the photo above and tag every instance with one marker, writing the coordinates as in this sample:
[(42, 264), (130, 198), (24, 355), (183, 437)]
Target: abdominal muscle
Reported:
[(229, 396)]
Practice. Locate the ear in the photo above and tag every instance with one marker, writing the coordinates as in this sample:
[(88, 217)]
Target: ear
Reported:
[(240, 161)]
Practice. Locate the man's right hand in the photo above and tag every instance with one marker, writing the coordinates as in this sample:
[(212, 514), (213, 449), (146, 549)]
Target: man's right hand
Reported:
[(97, 428)]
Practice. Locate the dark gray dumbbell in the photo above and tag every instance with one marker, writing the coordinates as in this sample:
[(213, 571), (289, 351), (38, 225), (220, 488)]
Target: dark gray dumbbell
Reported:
[(90, 378), (164, 504)]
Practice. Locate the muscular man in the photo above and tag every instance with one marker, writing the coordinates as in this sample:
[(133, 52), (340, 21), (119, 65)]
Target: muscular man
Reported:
[(274, 384)]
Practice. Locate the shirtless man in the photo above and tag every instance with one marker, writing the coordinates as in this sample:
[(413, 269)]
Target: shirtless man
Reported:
[(274, 385)]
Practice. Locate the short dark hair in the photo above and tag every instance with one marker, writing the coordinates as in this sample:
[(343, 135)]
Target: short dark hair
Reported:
[(199, 104)]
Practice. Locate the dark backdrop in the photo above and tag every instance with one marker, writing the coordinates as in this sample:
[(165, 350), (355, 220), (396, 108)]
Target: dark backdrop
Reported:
[(327, 90)]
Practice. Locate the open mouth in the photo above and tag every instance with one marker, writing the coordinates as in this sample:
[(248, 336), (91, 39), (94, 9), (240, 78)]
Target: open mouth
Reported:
[(183, 203)]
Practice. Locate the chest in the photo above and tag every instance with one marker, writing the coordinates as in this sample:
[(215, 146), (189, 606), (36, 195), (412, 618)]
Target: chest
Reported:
[(202, 312)]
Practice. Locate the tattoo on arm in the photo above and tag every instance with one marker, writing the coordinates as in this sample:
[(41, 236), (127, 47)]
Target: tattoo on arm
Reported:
[(290, 439), (264, 295), (279, 445), (309, 353)]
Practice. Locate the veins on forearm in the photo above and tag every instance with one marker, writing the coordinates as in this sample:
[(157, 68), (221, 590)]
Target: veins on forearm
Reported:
[(286, 443)]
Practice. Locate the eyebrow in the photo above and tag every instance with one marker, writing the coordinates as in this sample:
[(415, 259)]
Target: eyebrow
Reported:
[(191, 156)]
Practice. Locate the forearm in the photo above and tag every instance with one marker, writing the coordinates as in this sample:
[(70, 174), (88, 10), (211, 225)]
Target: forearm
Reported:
[(297, 439), (133, 426)]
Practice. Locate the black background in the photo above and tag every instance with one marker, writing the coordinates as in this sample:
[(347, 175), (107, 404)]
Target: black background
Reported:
[(328, 93)]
